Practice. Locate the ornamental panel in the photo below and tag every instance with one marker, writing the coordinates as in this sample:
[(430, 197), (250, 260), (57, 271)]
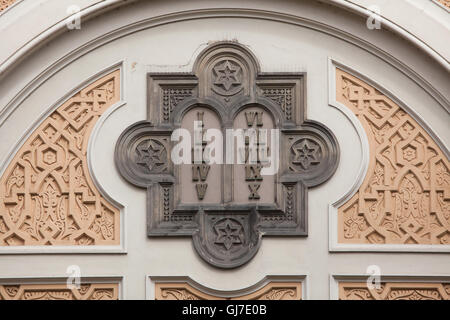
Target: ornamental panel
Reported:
[(445, 3), (394, 291), (226, 154), (47, 196), (86, 291), (271, 291), (4, 4), (405, 196)]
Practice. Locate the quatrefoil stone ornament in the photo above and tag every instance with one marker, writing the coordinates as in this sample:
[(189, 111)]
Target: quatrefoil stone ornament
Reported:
[(227, 206)]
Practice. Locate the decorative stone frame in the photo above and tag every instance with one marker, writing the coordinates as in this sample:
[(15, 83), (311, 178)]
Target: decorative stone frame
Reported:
[(171, 96)]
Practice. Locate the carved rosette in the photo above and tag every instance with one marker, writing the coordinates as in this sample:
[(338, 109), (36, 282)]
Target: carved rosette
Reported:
[(227, 240), (227, 208), (404, 198)]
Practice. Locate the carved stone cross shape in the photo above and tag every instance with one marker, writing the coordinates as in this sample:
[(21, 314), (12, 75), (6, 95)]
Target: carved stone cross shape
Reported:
[(227, 208)]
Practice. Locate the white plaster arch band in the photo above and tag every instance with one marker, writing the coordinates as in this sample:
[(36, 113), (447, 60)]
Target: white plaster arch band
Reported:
[(201, 14), (103, 6)]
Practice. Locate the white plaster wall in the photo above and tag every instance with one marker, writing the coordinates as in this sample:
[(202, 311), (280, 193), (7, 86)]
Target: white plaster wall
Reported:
[(173, 47)]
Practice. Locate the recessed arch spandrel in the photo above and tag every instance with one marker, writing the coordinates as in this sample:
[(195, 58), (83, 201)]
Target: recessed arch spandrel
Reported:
[(271, 291), (47, 196), (405, 196), (60, 291)]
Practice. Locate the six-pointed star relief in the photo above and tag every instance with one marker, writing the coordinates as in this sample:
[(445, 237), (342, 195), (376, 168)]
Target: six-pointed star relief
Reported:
[(305, 154), (150, 155), (227, 75), (229, 233)]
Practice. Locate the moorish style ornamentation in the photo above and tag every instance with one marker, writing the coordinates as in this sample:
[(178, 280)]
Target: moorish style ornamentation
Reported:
[(394, 291), (47, 196), (405, 196), (5, 4), (59, 291), (227, 208), (271, 291), (444, 3)]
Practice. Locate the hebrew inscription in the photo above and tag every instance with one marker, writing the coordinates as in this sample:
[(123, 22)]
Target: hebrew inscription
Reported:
[(226, 155)]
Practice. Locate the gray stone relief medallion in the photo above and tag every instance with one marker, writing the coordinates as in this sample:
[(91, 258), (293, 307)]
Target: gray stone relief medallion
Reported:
[(227, 207)]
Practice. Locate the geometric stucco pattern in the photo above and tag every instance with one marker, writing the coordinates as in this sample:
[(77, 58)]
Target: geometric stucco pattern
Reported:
[(103, 291), (271, 291), (445, 3), (47, 196), (405, 196), (394, 291), (5, 4)]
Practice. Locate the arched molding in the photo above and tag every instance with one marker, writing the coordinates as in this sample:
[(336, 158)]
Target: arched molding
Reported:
[(150, 22)]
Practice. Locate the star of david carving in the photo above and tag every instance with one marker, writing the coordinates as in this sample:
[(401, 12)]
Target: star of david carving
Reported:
[(227, 75), (305, 154), (225, 211), (228, 233), (150, 155)]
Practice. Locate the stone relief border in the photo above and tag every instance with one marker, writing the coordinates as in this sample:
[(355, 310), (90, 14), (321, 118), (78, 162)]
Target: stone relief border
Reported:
[(333, 208), (55, 249), (278, 286), (393, 287), (55, 288)]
